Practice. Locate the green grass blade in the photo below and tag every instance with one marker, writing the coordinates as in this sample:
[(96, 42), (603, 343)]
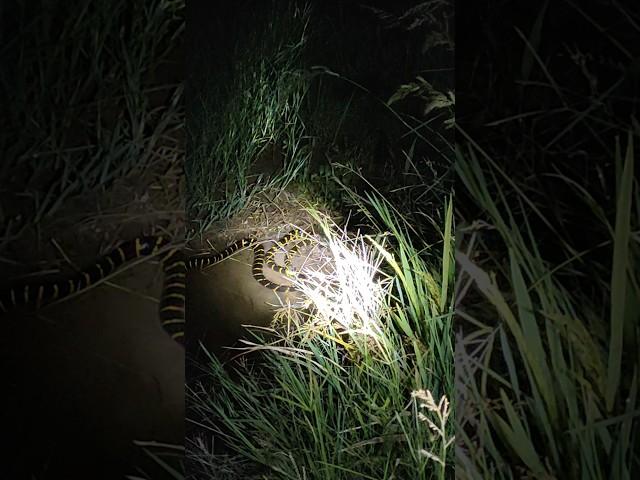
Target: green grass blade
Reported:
[(536, 355), (619, 276), (447, 256), (517, 436)]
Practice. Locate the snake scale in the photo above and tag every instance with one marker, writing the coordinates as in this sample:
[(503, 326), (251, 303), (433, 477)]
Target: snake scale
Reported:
[(175, 267)]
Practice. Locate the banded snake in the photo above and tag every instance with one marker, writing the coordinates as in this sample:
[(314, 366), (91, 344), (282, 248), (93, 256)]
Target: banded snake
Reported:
[(175, 266)]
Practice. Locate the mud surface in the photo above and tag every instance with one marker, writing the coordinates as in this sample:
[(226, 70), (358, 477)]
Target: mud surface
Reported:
[(88, 376), (223, 298)]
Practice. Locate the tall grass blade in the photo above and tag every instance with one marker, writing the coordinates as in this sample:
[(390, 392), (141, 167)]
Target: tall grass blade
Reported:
[(619, 276)]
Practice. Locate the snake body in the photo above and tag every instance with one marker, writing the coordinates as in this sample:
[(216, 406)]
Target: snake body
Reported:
[(175, 266), (299, 239), (43, 293), (260, 258), (172, 302)]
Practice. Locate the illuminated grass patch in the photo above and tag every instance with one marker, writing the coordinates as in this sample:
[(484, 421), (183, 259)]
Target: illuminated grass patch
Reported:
[(328, 392), (352, 290)]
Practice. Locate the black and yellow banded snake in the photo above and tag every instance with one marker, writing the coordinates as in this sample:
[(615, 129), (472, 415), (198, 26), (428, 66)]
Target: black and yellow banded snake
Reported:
[(175, 265)]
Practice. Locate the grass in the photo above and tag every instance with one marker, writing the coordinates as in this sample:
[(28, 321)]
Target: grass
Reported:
[(168, 457), (249, 120), (560, 404), (547, 289), (79, 99), (90, 101), (339, 392), (355, 383), (273, 117)]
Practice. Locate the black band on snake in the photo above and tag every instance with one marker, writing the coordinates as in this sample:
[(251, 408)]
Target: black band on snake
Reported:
[(175, 265)]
